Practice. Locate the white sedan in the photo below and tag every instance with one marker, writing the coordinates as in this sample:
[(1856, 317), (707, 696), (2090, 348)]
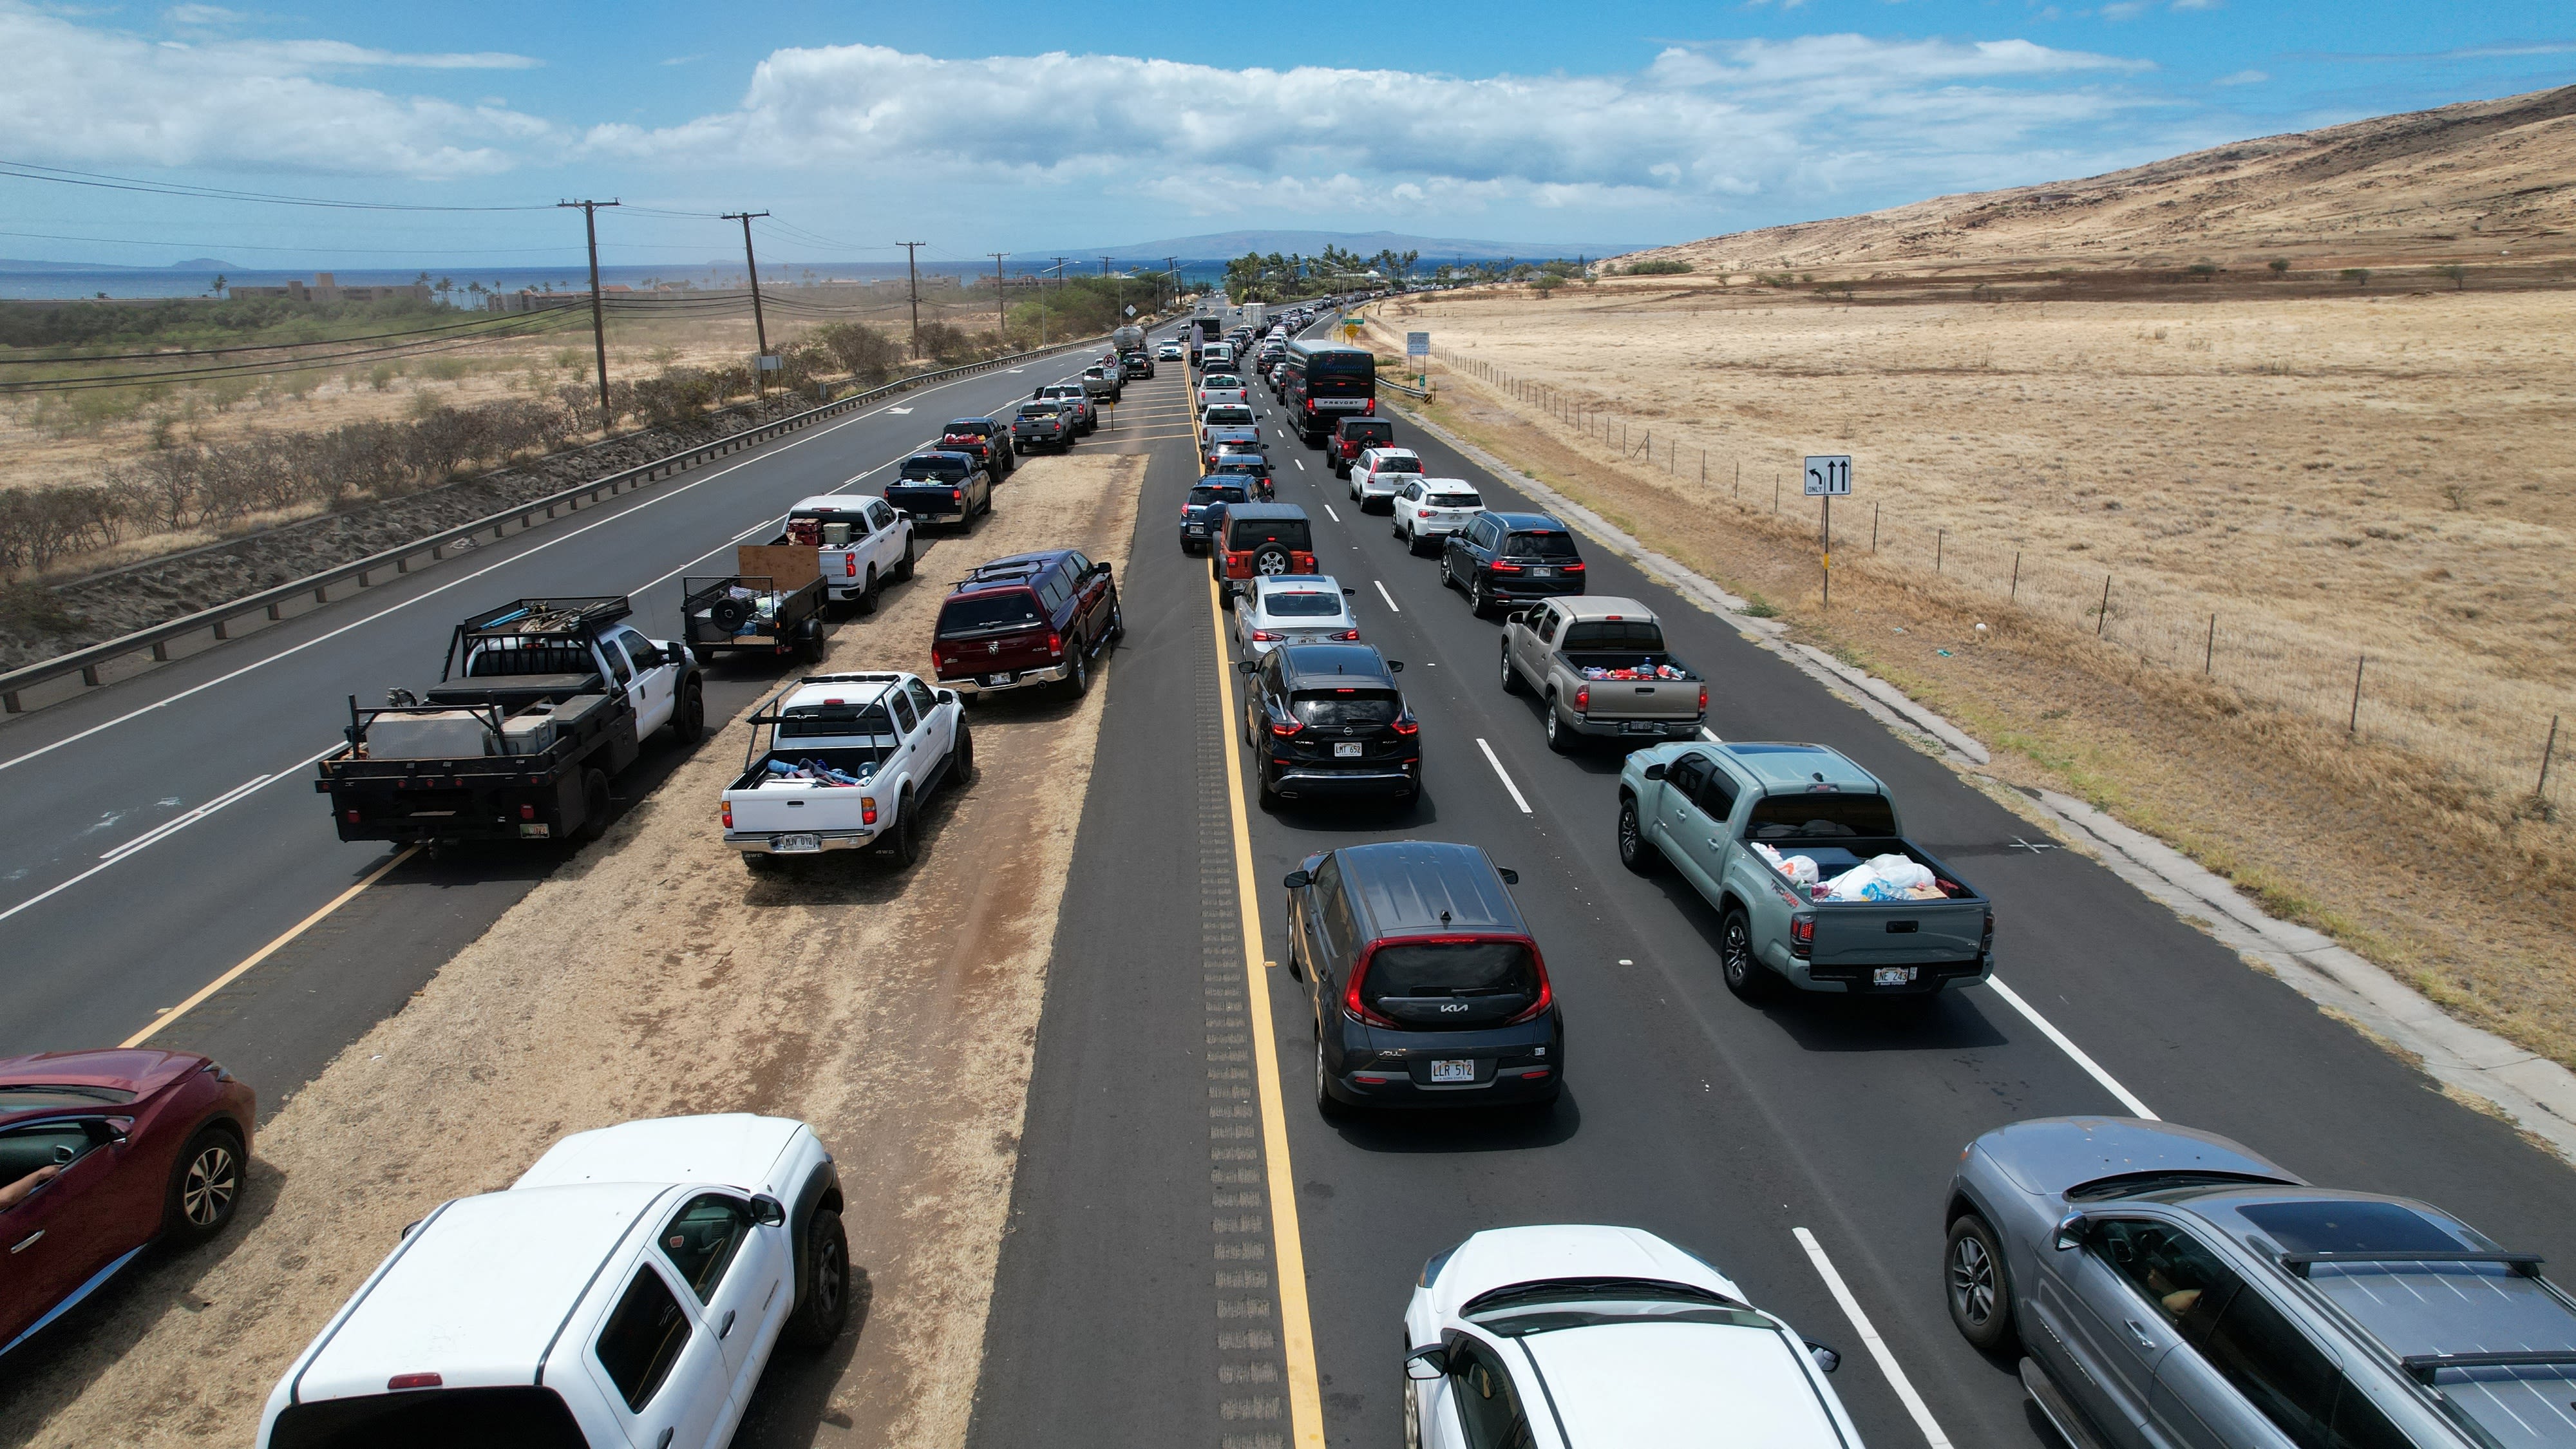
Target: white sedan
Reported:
[(1222, 387), (1428, 510), (1562, 1337), (1379, 472), (1292, 609)]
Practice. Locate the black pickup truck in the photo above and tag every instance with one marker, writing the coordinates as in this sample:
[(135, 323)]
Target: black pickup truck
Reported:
[(987, 440), (539, 702), (942, 487)]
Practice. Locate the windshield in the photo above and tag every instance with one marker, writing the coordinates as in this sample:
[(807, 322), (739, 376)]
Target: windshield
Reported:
[(1450, 968), (835, 721), (1289, 533), (1302, 604), (1541, 1307), (30, 1097), (1039, 410), (944, 470), (1453, 500), (1368, 432), (1627, 635), (1340, 365), (1203, 495), (1821, 817), (1223, 382), (1540, 545), (1000, 609), (1399, 463)]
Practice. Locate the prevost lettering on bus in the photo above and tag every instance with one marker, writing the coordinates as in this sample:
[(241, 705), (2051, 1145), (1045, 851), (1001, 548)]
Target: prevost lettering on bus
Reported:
[(1324, 382)]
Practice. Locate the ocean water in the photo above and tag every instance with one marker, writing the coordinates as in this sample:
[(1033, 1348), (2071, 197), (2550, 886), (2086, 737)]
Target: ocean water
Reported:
[(186, 282)]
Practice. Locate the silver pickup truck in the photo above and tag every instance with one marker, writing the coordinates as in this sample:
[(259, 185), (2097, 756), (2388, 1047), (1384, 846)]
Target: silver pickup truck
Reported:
[(1599, 665), (1771, 836)]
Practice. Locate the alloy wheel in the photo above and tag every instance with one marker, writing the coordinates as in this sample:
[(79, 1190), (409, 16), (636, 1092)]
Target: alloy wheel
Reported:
[(206, 1193), (1972, 1279)]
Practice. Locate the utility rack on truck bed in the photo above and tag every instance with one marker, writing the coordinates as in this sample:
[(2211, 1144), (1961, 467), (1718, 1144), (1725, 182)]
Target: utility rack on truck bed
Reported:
[(539, 702)]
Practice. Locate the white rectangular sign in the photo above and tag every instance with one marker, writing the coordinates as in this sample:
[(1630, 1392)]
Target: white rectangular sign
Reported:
[(769, 362), (1417, 344), (1829, 477)]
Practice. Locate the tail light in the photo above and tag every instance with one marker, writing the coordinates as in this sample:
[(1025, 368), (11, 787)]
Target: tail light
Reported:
[(850, 564), (1346, 635), (413, 1381), (1408, 726), (1582, 698), (1802, 935), (1572, 568), (728, 815), (1265, 636), (956, 495), (1282, 729), (867, 810), (1055, 642), (1351, 1002), (1703, 699), (1500, 567), (1546, 992), (1372, 405), (1304, 562), (527, 812), (1986, 943), (350, 815)]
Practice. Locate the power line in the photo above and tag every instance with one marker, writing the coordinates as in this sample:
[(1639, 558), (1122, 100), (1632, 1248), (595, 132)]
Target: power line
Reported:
[(29, 171), (127, 241), (173, 355)]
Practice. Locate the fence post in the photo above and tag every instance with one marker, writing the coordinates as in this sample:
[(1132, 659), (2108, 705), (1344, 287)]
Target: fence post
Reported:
[(2013, 595), (1775, 492), (2102, 617), (2541, 790), (2209, 652), (1739, 480), (2353, 725), (1873, 528), (1938, 536)]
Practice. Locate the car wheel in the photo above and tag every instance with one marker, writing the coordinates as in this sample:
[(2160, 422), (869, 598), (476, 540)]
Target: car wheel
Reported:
[(1511, 677), (1272, 562), (689, 721), (1980, 1297), (594, 807), (824, 1307), (904, 846), (1636, 852), (1559, 738), (205, 1185), (1268, 796), (1327, 1105), (759, 862), (1480, 597), (1117, 622), (1747, 977), (963, 772), (1078, 683), (1412, 1411), (868, 592)]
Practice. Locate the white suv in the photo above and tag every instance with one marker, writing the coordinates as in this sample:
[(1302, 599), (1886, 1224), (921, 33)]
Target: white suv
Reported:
[(627, 1289), (1591, 1335), (1428, 510), (1379, 472)]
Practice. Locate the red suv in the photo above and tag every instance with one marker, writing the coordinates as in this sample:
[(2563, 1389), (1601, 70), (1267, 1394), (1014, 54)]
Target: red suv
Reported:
[(1029, 620), (1354, 436), (1262, 540)]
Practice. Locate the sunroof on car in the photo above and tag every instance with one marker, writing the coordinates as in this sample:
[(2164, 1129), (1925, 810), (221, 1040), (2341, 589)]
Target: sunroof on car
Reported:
[(2347, 1226)]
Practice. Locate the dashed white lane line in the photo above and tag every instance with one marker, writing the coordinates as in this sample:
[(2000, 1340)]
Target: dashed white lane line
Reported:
[(1710, 735), (1878, 1348), (1383, 594), (2109, 1083), (1328, 508), (1501, 774), (1300, 462)]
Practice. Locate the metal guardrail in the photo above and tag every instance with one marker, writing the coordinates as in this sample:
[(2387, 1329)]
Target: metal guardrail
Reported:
[(87, 661), (1424, 393)]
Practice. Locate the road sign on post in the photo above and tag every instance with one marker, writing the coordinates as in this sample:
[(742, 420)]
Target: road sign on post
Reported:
[(1829, 476), (768, 362), (1417, 344), (1131, 309)]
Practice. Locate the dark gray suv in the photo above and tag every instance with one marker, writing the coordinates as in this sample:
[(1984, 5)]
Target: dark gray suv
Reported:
[(1427, 988), (2170, 1288)]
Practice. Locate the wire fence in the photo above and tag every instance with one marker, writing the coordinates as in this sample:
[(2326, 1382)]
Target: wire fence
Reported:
[(2495, 735)]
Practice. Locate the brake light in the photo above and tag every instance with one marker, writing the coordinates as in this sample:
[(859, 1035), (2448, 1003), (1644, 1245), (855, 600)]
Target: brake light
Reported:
[(1987, 942), (1546, 992), (1372, 405), (1572, 568), (1802, 935), (1265, 636), (1408, 726), (956, 495), (728, 815), (1500, 567), (527, 812), (850, 564), (1346, 634), (1703, 698), (1280, 730), (867, 810), (414, 1381), (1582, 698), (350, 815), (1055, 642), (1351, 1002)]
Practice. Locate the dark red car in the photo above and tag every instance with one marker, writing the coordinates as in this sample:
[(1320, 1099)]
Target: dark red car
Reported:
[(143, 1145), (1027, 621), (1354, 436)]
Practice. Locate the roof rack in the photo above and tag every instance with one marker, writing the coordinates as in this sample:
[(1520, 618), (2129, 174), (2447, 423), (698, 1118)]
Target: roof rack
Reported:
[(2526, 1265), (2423, 1366), (551, 616), (871, 677)]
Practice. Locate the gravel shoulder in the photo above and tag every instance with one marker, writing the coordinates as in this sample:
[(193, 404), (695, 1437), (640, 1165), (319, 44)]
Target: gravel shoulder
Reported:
[(650, 976)]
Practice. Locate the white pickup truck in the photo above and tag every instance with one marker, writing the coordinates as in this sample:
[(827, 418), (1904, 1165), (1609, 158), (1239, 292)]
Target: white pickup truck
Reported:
[(850, 759), (628, 1289), (861, 541)]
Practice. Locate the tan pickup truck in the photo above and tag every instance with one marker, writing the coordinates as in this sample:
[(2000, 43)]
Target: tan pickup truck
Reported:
[(1600, 667)]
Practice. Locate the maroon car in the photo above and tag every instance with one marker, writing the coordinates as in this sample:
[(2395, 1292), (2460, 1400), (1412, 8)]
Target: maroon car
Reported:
[(103, 1153), (1027, 621)]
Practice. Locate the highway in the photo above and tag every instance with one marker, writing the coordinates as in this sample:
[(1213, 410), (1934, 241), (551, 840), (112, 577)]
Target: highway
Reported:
[(1150, 1284), (1124, 1299)]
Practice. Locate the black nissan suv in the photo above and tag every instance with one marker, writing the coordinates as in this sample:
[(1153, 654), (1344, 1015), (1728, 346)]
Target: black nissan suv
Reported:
[(1327, 719), (1427, 987)]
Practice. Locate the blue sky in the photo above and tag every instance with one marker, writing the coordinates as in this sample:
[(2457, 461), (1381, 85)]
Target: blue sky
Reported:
[(979, 126)]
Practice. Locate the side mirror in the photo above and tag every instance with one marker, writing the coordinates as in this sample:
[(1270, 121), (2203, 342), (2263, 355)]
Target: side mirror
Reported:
[(1509, 875), (767, 1211), (1250, 666), (947, 696), (1826, 1359), (1297, 880), (1395, 666), (102, 1130), (1350, 593), (1427, 1365), (1655, 772), (2070, 1232)]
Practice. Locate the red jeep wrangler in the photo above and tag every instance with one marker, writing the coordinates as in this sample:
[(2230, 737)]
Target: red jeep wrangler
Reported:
[(1353, 436), (1262, 540)]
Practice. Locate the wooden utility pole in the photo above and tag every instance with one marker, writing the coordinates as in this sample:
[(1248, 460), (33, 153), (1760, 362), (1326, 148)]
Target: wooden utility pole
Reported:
[(759, 324), (1001, 310), (912, 266), (598, 320)]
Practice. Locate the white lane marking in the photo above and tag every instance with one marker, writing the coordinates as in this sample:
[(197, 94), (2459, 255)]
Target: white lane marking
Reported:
[(1383, 594), (136, 846), (2109, 1083), (1710, 735), (1878, 1348), (1300, 462), (1500, 774), (294, 649), (1328, 508), (183, 821), (900, 412)]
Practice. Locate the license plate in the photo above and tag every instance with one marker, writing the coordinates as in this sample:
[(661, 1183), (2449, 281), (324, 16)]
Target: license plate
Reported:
[(1349, 751), (795, 844), (538, 831), (997, 679), (1892, 976), (1453, 1071), (1542, 573), (1645, 728)]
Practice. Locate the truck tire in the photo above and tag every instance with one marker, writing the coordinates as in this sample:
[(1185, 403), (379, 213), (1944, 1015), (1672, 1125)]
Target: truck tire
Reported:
[(759, 862), (1511, 677), (868, 593), (1636, 852), (903, 567), (962, 773), (1745, 974), (205, 1185), (904, 846), (1078, 683), (1560, 740), (594, 807), (824, 1307), (689, 721), (1974, 1281)]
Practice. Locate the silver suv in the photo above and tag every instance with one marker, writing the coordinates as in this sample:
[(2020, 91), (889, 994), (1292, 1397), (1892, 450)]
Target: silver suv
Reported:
[(2169, 1287)]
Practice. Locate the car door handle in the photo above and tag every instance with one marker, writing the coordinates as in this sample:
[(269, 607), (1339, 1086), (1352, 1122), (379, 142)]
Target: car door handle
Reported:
[(1715, 843), (29, 1241), (665, 1441), (727, 1327), (2145, 1340)]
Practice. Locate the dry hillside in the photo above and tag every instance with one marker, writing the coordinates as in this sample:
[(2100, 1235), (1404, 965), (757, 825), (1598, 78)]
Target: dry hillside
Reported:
[(2466, 183)]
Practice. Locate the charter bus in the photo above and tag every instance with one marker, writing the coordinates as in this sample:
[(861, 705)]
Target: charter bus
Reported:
[(1325, 382)]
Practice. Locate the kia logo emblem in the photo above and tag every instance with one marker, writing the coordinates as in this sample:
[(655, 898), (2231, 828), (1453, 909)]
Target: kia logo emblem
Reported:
[(1453, 1006)]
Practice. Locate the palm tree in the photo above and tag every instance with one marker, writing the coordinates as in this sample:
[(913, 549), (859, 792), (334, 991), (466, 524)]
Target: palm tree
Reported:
[(216, 288)]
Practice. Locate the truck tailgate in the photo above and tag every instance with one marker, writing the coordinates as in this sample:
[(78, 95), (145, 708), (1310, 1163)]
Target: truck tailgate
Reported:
[(1663, 699), (772, 809), (1862, 934)]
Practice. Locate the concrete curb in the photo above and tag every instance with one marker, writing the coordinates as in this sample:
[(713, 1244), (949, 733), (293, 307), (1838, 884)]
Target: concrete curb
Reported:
[(2536, 1094)]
